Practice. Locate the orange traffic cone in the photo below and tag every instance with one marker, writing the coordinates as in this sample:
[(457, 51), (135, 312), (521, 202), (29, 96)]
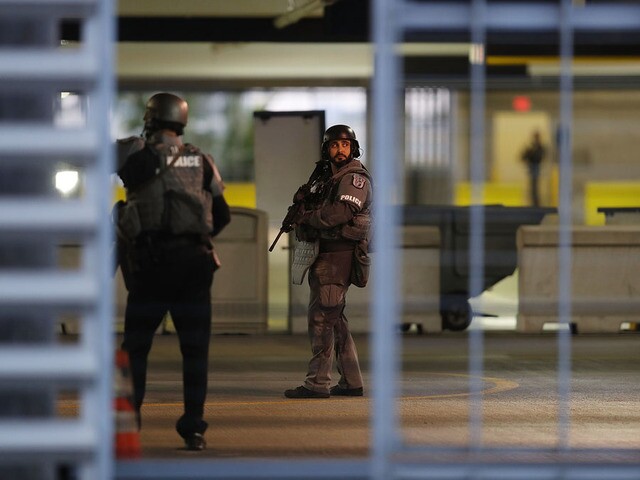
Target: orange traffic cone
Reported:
[(127, 437)]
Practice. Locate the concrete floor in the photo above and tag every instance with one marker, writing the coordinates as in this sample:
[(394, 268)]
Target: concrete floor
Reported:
[(250, 418)]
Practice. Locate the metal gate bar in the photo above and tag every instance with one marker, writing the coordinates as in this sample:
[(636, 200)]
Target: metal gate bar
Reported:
[(386, 281), (565, 214), (392, 18), (34, 222), (476, 220)]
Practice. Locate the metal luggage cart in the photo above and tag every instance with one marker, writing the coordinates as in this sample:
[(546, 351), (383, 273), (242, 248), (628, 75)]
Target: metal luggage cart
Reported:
[(500, 253)]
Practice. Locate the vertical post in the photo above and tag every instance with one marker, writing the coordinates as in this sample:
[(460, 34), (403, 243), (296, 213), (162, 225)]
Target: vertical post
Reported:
[(477, 214), (30, 248), (386, 288), (565, 222), (101, 37)]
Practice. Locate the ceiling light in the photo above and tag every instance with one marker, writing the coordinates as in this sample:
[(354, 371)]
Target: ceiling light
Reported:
[(67, 181), (297, 13)]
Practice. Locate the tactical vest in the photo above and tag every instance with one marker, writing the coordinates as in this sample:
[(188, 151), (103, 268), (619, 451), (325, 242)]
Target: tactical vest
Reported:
[(174, 200), (359, 226)]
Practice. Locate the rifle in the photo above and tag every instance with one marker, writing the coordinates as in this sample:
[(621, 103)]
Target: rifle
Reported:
[(305, 195)]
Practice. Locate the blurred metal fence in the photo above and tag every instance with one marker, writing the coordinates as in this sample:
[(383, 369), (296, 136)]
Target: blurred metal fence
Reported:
[(36, 372), (392, 19)]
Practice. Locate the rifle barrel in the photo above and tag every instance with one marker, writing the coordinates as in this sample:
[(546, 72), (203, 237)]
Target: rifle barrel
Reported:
[(276, 240)]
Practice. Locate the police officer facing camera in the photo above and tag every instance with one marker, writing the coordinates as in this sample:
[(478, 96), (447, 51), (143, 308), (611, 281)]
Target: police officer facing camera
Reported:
[(337, 226), (175, 206)]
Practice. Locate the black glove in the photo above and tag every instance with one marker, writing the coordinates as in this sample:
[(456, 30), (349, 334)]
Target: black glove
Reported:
[(301, 193), (301, 216)]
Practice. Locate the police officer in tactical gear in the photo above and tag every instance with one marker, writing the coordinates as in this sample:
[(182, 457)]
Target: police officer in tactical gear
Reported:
[(339, 222), (175, 206)]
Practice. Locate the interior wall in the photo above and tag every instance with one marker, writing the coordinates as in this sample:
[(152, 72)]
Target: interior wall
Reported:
[(604, 142), (512, 133)]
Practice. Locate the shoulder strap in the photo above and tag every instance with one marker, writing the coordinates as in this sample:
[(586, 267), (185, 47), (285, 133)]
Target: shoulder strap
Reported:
[(162, 170), (190, 148), (352, 169)]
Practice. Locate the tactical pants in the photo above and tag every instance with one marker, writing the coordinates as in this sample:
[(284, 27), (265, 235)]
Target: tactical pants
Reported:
[(328, 327), (180, 284)]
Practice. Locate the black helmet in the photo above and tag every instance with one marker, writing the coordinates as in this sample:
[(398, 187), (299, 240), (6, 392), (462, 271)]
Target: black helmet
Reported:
[(166, 107), (338, 132)]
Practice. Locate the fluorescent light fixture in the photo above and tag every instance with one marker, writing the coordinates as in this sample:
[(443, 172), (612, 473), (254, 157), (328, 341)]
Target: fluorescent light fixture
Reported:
[(476, 54), (67, 181), (297, 13), (433, 49)]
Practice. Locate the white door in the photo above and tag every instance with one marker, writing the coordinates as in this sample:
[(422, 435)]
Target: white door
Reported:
[(286, 148)]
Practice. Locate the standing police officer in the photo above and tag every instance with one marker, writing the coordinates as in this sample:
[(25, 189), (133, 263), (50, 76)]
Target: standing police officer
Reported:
[(340, 224), (175, 205)]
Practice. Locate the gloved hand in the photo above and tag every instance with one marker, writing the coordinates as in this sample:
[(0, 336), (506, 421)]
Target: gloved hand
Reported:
[(301, 216), (301, 193)]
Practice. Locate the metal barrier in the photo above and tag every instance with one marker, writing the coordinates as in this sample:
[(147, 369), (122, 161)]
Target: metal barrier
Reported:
[(393, 19), (37, 373)]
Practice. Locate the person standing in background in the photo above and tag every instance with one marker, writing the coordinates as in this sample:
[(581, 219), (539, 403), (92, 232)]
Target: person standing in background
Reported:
[(533, 156)]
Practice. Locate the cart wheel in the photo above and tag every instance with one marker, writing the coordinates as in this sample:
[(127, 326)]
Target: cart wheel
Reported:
[(456, 314)]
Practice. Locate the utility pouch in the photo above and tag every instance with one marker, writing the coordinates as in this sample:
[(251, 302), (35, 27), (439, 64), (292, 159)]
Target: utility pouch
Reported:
[(360, 265), (128, 222), (358, 228)]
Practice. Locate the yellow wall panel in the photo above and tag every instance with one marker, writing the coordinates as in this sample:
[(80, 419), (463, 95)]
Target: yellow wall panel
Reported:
[(504, 193), (236, 194), (608, 194), (241, 194)]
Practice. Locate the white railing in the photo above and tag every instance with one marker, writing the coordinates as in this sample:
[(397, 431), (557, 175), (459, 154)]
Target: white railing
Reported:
[(34, 221)]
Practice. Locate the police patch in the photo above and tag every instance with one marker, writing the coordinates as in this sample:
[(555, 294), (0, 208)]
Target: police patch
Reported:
[(358, 180), (352, 199)]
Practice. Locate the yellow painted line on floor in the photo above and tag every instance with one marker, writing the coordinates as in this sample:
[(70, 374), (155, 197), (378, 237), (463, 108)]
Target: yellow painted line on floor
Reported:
[(500, 385)]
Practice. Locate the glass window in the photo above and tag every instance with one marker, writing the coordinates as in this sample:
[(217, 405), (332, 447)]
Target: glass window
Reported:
[(221, 123)]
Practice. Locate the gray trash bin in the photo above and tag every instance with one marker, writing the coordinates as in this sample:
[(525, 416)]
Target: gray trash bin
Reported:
[(239, 293)]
